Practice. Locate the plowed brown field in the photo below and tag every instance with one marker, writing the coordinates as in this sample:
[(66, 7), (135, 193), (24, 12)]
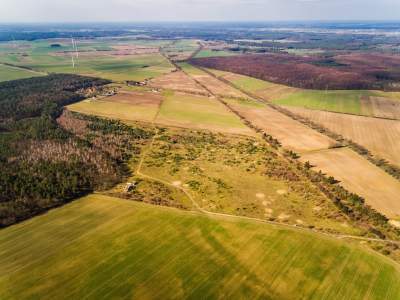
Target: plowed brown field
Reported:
[(381, 137), (380, 190)]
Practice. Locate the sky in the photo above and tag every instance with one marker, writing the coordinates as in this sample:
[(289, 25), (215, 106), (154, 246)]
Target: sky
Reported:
[(196, 10)]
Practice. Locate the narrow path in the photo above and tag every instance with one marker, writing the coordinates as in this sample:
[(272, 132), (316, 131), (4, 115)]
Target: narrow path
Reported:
[(236, 217)]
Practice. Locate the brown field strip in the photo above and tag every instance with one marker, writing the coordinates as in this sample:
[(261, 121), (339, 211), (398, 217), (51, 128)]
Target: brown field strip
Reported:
[(292, 134), (127, 106), (381, 137), (384, 108), (380, 190), (178, 81), (216, 86)]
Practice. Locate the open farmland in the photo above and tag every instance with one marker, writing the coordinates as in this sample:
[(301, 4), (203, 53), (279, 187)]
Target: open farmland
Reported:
[(127, 106), (114, 60), (380, 190), (298, 137), (261, 88), (381, 137), (100, 247), (336, 72), (213, 84), (179, 50), (12, 73), (366, 103), (292, 134), (358, 102), (193, 111), (213, 53), (178, 81)]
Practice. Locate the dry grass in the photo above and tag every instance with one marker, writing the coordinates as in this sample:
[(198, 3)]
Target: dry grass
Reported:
[(381, 137), (178, 81), (380, 190), (292, 134)]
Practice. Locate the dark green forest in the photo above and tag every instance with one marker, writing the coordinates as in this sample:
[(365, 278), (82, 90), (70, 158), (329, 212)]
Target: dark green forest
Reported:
[(49, 156)]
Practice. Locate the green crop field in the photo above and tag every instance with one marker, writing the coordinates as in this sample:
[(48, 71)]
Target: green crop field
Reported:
[(100, 248), (40, 56), (251, 84), (10, 73), (184, 110), (338, 101), (214, 53)]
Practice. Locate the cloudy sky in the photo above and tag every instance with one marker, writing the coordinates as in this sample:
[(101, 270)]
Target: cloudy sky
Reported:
[(196, 10)]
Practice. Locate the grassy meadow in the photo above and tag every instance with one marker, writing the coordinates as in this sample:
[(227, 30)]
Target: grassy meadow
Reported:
[(214, 53), (96, 58), (100, 248), (337, 101), (184, 110), (8, 73)]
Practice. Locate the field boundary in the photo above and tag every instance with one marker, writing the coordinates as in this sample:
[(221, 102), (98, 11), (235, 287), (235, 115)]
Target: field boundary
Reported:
[(390, 169)]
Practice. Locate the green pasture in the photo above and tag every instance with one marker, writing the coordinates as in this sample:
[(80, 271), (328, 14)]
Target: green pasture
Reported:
[(337, 101), (214, 53), (10, 73), (41, 56), (106, 248), (185, 110)]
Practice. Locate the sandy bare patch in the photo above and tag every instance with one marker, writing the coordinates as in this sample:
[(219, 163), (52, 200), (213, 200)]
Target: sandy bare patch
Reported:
[(317, 208), (260, 195), (177, 183), (395, 223), (281, 192), (283, 216), (300, 222)]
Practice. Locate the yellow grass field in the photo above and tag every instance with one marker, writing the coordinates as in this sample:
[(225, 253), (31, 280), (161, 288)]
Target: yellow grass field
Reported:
[(178, 81), (381, 137), (127, 106), (380, 190), (200, 112), (213, 84), (292, 134)]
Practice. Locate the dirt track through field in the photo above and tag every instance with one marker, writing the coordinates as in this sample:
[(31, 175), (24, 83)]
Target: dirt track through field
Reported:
[(379, 189)]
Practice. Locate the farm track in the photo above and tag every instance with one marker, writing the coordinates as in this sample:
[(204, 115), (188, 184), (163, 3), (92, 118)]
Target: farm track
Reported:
[(244, 218)]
